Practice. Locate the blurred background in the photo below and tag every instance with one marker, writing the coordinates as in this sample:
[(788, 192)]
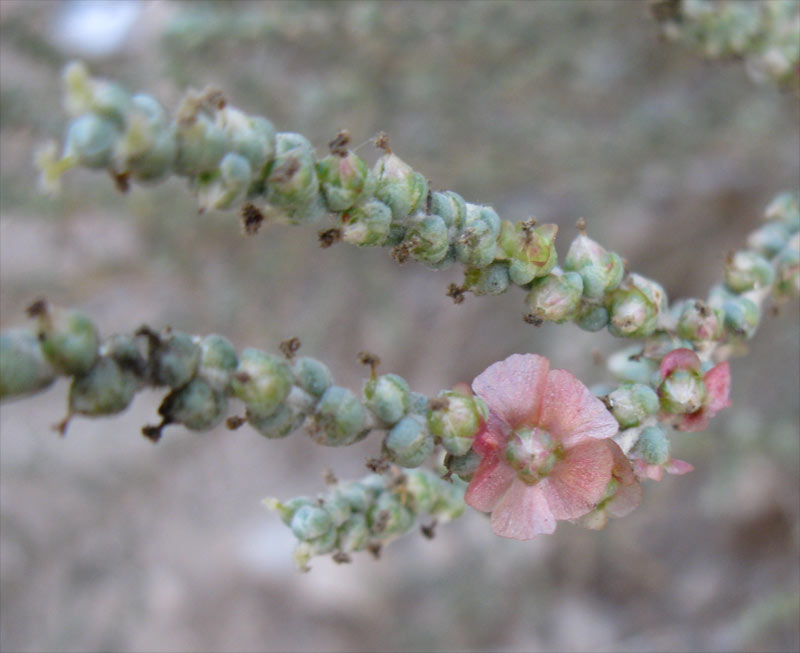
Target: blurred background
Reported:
[(552, 109)]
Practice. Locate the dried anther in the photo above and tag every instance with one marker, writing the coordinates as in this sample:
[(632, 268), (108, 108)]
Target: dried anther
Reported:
[(581, 225), (340, 557), (284, 173), (456, 292), (37, 308), (401, 252), (532, 318), (289, 347), (368, 358), (378, 465), (439, 403), (234, 422), (121, 181), (382, 142), (338, 145), (429, 530), (527, 229), (329, 237), (252, 219), (153, 431), (329, 477), (375, 549)]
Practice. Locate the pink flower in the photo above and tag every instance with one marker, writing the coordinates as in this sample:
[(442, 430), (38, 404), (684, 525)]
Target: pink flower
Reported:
[(716, 384), (545, 453), (644, 470)]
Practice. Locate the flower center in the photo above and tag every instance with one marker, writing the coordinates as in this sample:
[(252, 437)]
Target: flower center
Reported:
[(532, 453)]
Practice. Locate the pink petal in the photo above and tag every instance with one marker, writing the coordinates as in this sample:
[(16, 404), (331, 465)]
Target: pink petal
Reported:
[(679, 359), (491, 438), (578, 482), (513, 388), (490, 481), (718, 385), (693, 422), (625, 501), (675, 466), (643, 470), (622, 470), (570, 413), (522, 513)]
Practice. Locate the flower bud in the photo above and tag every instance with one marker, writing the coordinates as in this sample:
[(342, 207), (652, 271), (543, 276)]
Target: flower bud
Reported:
[(653, 446), (591, 317), (741, 317), (338, 507), (431, 242), (23, 366), (492, 280), (450, 206), (388, 397), (367, 223), (633, 402), (409, 443), (600, 270), (747, 270), (398, 186), (769, 239), (69, 339), (683, 391), (629, 365), (785, 209), (358, 496), (344, 180), (286, 510), (530, 251), (450, 501), (388, 516), (175, 359), (698, 322), (476, 243), (455, 420), (424, 489), (90, 139), (463, 466), (339, 418), (196, 405), (250, 137), (556, 297), (787, 262), (84, 94), (354, 533), (218, 361), (227, 185), (635, 307), (125, 350), (312, 376), (279, 424), (310, 522), (261, 381), (155, 162), (292, 177), (149, 108), (106, 389), (201, 146), (321, 545)]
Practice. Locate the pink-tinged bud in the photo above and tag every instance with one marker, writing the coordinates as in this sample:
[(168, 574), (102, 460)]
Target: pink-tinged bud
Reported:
[(747, 270), (556, 297), (699, 322), (635, 307), (529, 250), (344, 180), (601, 270)]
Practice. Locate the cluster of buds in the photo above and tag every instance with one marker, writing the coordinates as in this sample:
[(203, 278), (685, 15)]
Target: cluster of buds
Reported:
[(766, 33), (365, 515)]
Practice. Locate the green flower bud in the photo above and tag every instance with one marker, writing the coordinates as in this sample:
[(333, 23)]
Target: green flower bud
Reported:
[(261, 381), (150, 108), (633, 402), (250, 137), (408, 443), (424, 488), (201, 146), (463, 466), (398, 186), (785, 209), (345, 179), (450, 502), (338, 507), (310, 522), (306, 213), (629, 365), (279, 424), (69, 339), (23, 367), (769, 239), (556, 297), (84, 94), (397, 233), (450, 206), (227, 185), (175, 359), (322, 545), (653, 445), (530, 251), (354, 533), (601, 270), (90, 139), (389, 516), (635, 307), (196, 405), (741, 317), (367, 223), (106, 389), (492, 280), (339, 417), (476, 243), (157, 161), (698, 322), (682, 392), (125, 350), (292, 177), (591, 317), (418, 404), (787, 263), (388, 397), (747, 270), (455, 419), (429, 238), (289, 508), (218, 361), (312, 376), (358, 496)]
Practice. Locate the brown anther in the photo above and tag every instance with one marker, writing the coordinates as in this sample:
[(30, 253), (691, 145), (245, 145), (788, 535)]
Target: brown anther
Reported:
[(37, 308), (284, 172), (290, 347), (234, 422), (439, 403), (456, 292), (329, 237), (581, 226), (447, 476), (121, 181), (528, 229), (607, 402), (375, 549), (636, 357), (213, 98), (367, 358), (729, 257), (252, 219), (340, 558), (378, 465), (775, 310), (63, 425), (338, 145), (382, 142), (242, 377), (329, 477), (429, 530), (381, 522), (153, 432), (401, 252), (428, 201), (534, 319)]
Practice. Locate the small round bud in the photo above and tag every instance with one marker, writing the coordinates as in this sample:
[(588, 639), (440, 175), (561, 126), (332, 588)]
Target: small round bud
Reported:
[(630, 365), (175, 359), (106, 389), (201, 146), (456, 419), (635, 307), (388, 516), (261, 381), (741, 317), (430, 237), (310, 522), (250, 137), (338, 507), (218, 361), (340, 419), (398, 186), (529, 250), (358, 496), (124, 349), (196, 405), (69, 339), (683, 392), (287, 509), (633, 402), (408, 443), (90, 139), (476, 243), (698, 322), (312, 376), (344, 179), (463, 466), (769, 239), (450, 206), (367, 223), (592, 317), (785, 208), (149, 108), (556, 297), (23, 366), (354, 533), (279, 424), (421, 484), (388, 397), (747, 270), (653, 445), (491, 280)]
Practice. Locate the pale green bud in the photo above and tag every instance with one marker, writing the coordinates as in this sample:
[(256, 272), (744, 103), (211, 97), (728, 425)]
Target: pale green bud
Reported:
[(424, 488), (592, 317), (430, 239), (310, 522), (250, 137), (653, 445), (786, 209), (635, 307), (84, 94), (556, 297), (450, 206), (741, 316), (769, 239), (409, 443), (286, 510), (699, 322), (201, 146), (629, 365), (633, 402), (125, 350), (196, 405), (69, 339), (389, 516), (682, 392), (747, 270), (175, 360), (476, 243), (601, 270), (23, 366), (455, 419), (225, 187), (491, 280), (278, 424), (358, 496), (150, 108), (90, 139), (312, 376), (398, 186), (388, 397), (367, 223), (292, 175), (354, 533), (463, 466), (106, 389), (529, 250), (218, 360), (339, 418), (338, 507), (157, 161), (450, 503), (261, 381), (345, 179)]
